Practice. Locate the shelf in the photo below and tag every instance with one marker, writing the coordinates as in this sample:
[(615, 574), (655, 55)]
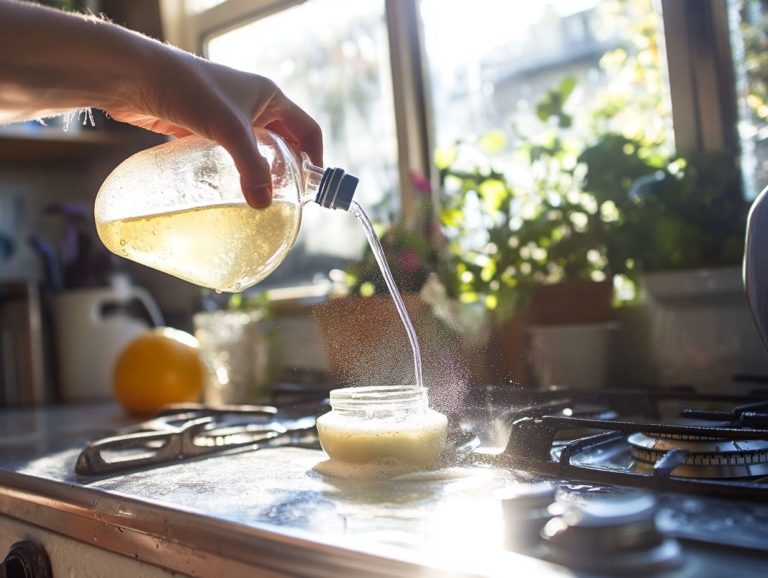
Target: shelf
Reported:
[(52, 146)]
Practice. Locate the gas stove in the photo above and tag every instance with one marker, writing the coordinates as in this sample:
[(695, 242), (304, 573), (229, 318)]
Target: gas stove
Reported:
[(655, 483), (636, 477), (676, 439)]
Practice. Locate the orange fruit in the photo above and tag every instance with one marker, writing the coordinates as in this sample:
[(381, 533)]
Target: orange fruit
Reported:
[(159, 367)]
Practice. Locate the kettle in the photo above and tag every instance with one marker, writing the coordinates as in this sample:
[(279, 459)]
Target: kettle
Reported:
[(92, 326), (756, 264)]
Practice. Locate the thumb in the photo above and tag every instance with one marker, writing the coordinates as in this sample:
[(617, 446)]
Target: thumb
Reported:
[(255, 175)]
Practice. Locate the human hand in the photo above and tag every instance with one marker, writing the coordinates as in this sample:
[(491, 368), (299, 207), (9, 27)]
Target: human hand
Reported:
[(52, 62), (182, 94)]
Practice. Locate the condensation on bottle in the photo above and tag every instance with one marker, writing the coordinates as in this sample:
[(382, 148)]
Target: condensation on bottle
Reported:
[(178, 208)]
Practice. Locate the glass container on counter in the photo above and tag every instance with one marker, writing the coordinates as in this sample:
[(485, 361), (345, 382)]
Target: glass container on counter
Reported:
[(372, 423)]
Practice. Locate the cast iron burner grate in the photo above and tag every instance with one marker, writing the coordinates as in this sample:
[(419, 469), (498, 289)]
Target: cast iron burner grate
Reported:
[(190, 431), (720, 452)]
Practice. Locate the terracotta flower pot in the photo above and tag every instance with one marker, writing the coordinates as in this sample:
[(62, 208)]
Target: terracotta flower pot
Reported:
[(570, 334), (569, 303), (506, 353), (367, 343), (564, 304)]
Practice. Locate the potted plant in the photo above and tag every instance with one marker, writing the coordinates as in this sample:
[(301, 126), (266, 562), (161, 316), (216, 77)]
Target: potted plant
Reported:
[(538, 253), (532, 256), (683, 230)]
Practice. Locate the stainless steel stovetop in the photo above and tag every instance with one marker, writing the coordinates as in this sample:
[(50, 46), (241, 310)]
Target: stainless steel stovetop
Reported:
[(548, 490)]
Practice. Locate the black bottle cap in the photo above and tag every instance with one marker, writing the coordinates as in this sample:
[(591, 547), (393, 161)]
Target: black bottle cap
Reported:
[(336, 189)]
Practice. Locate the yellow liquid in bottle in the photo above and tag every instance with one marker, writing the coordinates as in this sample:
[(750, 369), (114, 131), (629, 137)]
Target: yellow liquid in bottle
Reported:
[(222, 247)]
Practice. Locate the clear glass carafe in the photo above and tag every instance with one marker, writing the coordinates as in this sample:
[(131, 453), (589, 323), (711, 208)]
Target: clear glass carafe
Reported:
[(178, 208)]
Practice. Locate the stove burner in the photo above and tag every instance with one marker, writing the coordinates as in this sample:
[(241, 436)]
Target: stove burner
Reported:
[(701, 456), (526, 514), (668, 441), (616, 535)]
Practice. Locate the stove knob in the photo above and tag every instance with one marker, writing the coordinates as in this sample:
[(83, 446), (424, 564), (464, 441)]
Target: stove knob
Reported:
[(525, 515), (615, 534), (26, 559)]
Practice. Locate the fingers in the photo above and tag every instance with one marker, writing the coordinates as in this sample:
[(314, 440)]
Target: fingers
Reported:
[(275, 112), (291, 122), (224, 104), (255, 179), (255, 176), (259, 195)]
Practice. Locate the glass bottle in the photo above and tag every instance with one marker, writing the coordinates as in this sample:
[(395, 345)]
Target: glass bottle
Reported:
[(178, 208), (368, 424)]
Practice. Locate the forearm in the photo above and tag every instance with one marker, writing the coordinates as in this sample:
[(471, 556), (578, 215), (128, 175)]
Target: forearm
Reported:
[(52, 62)]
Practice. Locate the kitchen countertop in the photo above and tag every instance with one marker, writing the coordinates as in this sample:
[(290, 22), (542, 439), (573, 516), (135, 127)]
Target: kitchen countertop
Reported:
[(268, 512), (42, 428), (266, 509)]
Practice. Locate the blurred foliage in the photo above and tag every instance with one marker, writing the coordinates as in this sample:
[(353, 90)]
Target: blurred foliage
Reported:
[(754, 29), (683, 212), (602, 192), (411, 250), (250, 302)]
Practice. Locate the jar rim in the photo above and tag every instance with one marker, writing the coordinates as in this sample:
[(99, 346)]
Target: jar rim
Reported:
[(372, 396)]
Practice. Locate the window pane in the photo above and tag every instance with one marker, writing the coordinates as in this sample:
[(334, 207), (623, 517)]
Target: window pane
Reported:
[(196, 6), (749, 40), (331, 57), (547, 115), (600, 55)]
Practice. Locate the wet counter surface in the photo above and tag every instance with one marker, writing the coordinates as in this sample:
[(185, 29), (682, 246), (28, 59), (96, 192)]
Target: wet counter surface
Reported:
[(267, 508), (267, 512)]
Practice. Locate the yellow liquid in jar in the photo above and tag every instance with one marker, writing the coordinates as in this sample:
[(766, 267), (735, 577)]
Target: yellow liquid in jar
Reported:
[(223, 247), (417, 440)]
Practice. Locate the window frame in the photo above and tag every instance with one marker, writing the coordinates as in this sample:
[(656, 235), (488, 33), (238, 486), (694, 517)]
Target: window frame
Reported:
[(701, 75), (190, 31)]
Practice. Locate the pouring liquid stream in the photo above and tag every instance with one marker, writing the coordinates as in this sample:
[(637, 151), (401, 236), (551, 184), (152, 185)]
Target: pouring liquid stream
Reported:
[(378, 253)]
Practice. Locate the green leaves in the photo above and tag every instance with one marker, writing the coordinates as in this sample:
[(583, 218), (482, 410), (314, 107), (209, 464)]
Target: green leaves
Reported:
[(494, 193), (690, 216), (623, 207), (552, 105), (591, 193), (493, 142)]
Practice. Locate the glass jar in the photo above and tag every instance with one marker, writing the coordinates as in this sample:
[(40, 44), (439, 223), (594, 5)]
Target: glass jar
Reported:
[(178, 208), (368, 424)]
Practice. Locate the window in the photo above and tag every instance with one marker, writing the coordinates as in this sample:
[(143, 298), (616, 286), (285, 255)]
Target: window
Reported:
[(492, 89), (749, 39), (396, 83)]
